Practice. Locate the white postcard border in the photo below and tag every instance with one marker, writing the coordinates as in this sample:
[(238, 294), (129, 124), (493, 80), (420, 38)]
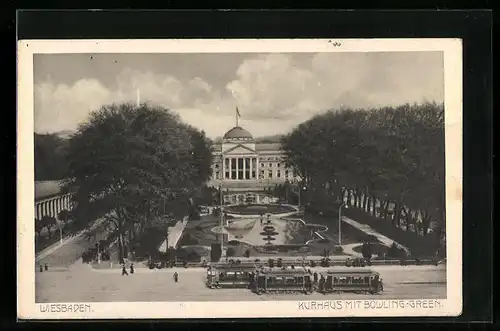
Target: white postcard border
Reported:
[(27, 309)]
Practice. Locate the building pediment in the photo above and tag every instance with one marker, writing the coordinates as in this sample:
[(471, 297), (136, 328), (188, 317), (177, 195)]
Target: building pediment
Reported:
[(239, 149)]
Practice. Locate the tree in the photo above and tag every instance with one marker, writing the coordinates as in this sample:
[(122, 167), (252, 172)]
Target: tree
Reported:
[(50, 152), (48, 222), (390, 158), (63, 216), (129, 162)]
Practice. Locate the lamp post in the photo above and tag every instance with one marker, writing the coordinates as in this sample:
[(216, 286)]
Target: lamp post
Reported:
[(221, 220), (60, 234), (300, 192), (340, 222)]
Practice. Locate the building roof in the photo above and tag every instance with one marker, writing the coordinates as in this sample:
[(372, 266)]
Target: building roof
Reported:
[(259, 147), (237, 132), (47, 188), (268, 147)]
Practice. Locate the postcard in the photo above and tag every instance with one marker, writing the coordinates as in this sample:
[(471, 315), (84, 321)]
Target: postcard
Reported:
[(232, 178)]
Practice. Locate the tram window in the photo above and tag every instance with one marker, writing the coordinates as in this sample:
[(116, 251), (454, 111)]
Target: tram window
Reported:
[(300, 280), (290, 280), (367, 280)]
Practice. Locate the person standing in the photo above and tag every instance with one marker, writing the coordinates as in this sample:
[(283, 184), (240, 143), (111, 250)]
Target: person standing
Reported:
[(124, 270), (131, 268), (176, 277)]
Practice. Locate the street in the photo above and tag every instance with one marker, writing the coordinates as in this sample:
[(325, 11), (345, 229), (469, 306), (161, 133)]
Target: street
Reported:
[(81, 283)]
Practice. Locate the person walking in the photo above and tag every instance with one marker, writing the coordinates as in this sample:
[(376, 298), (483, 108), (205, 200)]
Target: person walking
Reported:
[(124, 270), (41, 268), (315, 277), (176, 277), (131, 268)]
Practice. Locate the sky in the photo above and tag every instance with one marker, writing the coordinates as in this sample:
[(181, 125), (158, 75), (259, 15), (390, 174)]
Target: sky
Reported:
[(274, 92)]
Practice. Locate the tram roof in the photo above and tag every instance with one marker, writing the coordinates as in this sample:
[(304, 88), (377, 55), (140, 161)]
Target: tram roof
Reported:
[(350, 270), (288, 272), (232, 267)]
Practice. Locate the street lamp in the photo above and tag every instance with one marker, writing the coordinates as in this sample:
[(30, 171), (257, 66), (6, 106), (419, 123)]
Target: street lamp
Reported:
[(340, 221), (221, 220), (300, 191)]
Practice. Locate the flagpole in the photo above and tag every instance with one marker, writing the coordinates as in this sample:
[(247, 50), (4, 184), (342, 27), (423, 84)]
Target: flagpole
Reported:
[(236, 116)]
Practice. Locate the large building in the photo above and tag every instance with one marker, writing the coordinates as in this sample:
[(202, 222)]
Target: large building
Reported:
[(241, 163)]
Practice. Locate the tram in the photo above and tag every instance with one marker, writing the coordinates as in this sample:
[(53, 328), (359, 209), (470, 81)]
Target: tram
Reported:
[(282, 281), (358, 280), (230, 276)]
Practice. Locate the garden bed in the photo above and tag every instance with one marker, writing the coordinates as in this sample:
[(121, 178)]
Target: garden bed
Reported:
[(256, 209), (419, 246)]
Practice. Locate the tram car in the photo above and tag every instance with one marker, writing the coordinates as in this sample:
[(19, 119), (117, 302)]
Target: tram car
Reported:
[(282, 281), (357, 280), (230, 276)]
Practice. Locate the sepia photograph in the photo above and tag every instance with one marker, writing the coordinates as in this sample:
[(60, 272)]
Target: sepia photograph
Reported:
[(239, 178)]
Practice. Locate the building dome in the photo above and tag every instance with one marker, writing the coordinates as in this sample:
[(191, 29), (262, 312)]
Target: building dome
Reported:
[(238, 133)]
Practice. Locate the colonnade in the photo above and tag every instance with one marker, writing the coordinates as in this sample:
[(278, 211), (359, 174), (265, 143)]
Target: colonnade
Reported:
[(53, 206), (240, 168)]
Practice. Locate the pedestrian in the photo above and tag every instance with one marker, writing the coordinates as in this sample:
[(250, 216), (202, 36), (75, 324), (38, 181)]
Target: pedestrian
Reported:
[(46, 267), (322, 283), (124, 270), (315, 277), (176, 277), (131, 268), (41, 268)]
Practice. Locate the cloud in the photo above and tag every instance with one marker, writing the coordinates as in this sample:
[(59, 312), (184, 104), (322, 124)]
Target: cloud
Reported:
[(273, 86), (274, 92)]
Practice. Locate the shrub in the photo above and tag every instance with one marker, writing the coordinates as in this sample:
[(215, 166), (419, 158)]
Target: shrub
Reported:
[(338, 250), (395, 252), (215, 252), (230, 252)]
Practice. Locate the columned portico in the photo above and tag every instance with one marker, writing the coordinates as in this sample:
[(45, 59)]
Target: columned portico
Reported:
[(239, 168), (52, 206)]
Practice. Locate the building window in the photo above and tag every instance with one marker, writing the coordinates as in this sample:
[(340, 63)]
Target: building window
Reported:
[(286, 173), (270, 164), (216, 166), (216, 175), (261, 174), (240, 168), (227, 174), (270, 174), (253, 174), (247, 168), (278, 174), (227, 163), (262, 165)]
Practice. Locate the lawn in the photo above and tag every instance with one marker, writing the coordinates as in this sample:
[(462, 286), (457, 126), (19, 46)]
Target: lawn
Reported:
[(419, 246), (256, 209)]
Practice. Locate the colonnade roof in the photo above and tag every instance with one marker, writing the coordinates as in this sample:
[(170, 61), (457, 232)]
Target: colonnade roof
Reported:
[(259, 147), (47, 188)]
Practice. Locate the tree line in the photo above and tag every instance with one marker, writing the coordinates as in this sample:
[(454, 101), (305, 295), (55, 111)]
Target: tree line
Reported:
[(135, 164), (50, 157), (389, 162)]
